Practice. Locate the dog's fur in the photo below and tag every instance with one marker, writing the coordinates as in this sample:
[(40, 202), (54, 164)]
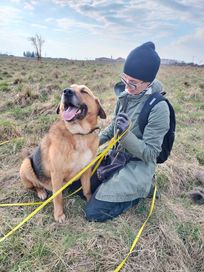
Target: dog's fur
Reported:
[(67, 148)]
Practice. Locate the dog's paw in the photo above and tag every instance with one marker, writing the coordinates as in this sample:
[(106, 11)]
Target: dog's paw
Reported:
[(60, 218), (42, 194)]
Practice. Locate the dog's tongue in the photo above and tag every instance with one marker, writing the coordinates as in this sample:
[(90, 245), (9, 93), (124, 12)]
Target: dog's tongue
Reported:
[(70, 113)]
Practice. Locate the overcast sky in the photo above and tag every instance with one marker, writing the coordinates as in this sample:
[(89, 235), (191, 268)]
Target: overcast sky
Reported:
[(87, 29)]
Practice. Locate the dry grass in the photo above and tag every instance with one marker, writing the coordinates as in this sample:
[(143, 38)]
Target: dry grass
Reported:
[(172, 240)]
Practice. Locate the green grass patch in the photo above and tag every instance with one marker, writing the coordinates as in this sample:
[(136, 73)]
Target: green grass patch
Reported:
[(6, 123), (201, 106), (18, 143), (142, 207), (19, 112), (8, 130), (43, 97), (6, 74), (71, 238), (177, 108), (57, 97), (41, 124), (200, 157), (163, 181), (11, 148), (189, 232), (4, 87), (201, 85), (40, 249)]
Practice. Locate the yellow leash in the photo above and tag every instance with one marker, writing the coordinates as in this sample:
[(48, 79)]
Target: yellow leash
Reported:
[(5, 142), (139, 232), (20, 204), (77, 176), (99, 158)]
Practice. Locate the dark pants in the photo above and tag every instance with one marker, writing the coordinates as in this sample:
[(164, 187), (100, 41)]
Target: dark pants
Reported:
[(97, 210)]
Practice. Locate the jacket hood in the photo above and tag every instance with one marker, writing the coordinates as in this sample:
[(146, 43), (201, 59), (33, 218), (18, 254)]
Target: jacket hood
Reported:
[(157, 86)]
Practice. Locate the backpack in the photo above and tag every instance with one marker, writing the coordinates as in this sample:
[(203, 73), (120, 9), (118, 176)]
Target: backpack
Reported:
[(152, 100), (168, 140)]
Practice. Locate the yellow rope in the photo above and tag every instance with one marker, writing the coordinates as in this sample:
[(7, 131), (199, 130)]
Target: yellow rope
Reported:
[(20, 204), (139, 232), (2, 143), (5, 142)]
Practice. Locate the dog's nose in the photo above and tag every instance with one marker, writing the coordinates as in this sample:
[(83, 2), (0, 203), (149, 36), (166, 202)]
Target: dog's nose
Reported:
[(68, 92)]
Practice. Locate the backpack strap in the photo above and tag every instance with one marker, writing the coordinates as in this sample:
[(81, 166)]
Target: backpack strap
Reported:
[(172, 117), (152, 100)]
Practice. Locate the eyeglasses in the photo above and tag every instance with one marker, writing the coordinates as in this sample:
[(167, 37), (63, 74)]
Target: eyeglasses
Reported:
[(131, 85)]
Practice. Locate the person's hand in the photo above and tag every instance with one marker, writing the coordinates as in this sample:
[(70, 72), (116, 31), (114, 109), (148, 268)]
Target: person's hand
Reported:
[(122, 122)]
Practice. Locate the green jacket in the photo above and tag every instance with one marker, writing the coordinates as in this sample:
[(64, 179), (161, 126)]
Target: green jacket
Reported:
[(134, 180)]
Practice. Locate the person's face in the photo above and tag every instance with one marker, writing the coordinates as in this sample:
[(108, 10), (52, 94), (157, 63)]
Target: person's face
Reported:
[(133, 85)]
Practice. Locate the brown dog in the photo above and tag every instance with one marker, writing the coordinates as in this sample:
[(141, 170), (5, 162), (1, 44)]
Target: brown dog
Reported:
[(69, 146)]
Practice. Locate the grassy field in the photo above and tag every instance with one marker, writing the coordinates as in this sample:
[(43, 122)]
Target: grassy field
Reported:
[(173, 238)]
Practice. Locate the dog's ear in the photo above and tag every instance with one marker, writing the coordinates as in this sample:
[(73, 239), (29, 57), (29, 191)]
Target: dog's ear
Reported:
[(58, 109), (101, 112)]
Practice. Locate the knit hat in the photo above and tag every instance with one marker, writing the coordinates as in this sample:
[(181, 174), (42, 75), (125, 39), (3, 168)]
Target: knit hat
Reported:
[(143, 62)]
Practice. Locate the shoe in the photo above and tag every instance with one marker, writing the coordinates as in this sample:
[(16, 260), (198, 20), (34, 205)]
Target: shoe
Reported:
[(151, 193)]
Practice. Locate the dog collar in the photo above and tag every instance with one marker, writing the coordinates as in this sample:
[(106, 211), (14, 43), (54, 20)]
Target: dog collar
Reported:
[(91, 131)]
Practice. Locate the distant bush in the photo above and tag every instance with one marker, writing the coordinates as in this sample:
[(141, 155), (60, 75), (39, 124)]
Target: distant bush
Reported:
[(29, 54)]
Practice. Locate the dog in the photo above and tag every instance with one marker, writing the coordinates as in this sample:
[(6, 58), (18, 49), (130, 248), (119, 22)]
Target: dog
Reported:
[(67, 148)]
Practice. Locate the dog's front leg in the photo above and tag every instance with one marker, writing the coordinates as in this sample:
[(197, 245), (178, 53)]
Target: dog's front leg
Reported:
[(86, 184), (58, 201)]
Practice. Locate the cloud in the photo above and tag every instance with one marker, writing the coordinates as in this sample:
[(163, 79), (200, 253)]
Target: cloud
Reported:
[(138, 21), (174, 5), (122, 20), (39, 26), (188, 47), (134, 15), (48, 20), (185, 10), (15, 1), (9, 15), (30, 5), (67, 24)]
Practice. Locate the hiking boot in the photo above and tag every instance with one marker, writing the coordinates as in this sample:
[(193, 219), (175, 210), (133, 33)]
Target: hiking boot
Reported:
[(151, 192)]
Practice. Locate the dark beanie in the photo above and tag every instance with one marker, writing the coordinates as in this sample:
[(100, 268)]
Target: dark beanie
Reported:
[(143, 62)]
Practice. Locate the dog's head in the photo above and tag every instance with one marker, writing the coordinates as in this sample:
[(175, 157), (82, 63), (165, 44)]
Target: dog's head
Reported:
[(79, 109)]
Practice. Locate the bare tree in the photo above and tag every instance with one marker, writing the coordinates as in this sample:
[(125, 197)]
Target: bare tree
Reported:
[(37, 42)]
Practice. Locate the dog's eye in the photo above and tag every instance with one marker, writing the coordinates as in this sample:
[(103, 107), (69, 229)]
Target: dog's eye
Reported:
[(83, 91)]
